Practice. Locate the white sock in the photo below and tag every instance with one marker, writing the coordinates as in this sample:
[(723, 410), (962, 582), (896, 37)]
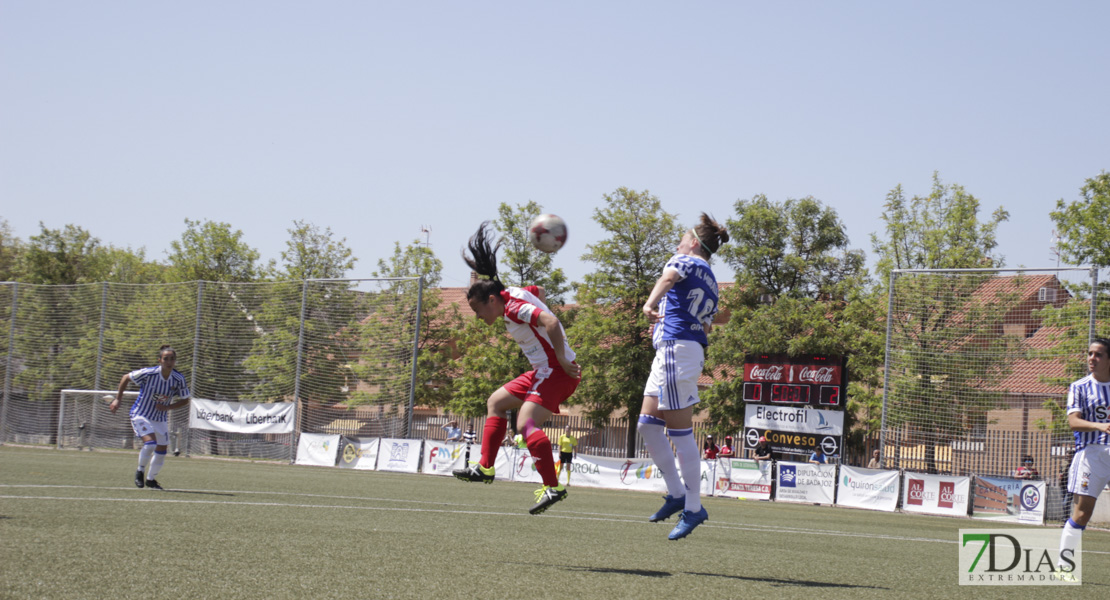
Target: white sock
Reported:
[(1069, 539), (156, 464), (144, 455), (690, 461), (659, 448)]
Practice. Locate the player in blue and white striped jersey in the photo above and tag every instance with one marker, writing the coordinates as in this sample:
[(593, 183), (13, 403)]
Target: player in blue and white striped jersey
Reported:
[(681, 305), (1089, 417), (158, 386)]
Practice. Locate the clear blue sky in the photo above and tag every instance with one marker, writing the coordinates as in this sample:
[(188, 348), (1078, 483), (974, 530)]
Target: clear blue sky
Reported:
[(375, 118)]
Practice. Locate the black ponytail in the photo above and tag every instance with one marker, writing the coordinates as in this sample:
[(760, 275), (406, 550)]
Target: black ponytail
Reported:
[(483, 261), (710, 235)]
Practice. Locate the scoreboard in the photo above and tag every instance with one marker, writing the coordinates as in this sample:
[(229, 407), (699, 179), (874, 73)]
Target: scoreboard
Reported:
[(813, 380)]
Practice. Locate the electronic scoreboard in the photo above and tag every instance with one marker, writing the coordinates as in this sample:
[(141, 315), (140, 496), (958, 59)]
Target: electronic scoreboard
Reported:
[(813, 380)]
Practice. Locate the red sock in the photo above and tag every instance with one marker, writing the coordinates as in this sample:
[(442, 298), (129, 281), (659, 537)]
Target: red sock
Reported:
[(540, 447), (493, 432)]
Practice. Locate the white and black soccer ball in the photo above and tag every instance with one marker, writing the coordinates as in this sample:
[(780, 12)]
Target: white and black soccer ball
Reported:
[(548, 233)]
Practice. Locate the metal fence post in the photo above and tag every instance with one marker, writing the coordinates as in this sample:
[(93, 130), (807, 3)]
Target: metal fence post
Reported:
[(297, 377), (100, 338), (886, 366), (196, 371), (1091, 333), (11, 352), (415, 354)]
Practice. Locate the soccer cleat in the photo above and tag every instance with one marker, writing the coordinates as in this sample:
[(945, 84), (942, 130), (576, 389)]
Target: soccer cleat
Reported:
[(139, 479), (671, 505), (687, 521), (153, 484), (546, 496), (474, 472)]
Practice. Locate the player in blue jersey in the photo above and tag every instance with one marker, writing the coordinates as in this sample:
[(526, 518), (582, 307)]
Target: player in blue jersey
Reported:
[(1089, 417), (681, 305), (158, 386)]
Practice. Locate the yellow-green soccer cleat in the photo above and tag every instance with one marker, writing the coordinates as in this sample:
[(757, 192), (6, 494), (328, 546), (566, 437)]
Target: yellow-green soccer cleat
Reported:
[(474, 472), (546, 496)]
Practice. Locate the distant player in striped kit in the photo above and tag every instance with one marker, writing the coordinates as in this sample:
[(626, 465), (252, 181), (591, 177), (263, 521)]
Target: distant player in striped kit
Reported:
[(1089, 417), (681, 305), (535, 395), (158, 386)]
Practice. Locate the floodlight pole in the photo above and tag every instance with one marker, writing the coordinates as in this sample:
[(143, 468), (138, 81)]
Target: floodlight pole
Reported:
[(100, 339), (196, 350)]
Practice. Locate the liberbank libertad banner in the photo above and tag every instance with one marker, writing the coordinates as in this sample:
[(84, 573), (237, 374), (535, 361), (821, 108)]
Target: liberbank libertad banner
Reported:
[(241, 417)]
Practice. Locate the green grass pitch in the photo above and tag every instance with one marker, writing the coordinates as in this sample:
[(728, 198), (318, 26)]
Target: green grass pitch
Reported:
[(72, 525)]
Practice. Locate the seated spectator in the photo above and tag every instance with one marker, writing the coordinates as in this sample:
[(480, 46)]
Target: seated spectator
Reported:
[(711, 448), (726, 448), (1027, 470), (818, 457)]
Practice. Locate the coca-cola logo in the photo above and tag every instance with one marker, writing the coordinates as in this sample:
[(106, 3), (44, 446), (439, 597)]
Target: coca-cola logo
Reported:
[(767, 373), (816, 374)]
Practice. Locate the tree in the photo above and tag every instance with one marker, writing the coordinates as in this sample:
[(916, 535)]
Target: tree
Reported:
[(521, 264), (211, 251), (1084, 225), (943, 324), (610, 333), (312, 253), (63, 256), (799, 289), (11, 250)]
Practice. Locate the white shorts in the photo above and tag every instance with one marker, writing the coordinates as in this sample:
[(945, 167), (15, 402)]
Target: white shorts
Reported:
[(1090, 470), (674, 374), (144, 426)]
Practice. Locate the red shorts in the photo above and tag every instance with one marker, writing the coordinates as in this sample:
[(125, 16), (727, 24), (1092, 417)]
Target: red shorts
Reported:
[(547, 387)]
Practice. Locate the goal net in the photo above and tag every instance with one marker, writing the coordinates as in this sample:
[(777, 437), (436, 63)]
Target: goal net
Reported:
[(977, 368), (342, 350)]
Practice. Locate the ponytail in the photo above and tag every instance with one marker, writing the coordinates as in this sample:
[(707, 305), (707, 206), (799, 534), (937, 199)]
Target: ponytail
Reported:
[(710, 235), (483, 261)]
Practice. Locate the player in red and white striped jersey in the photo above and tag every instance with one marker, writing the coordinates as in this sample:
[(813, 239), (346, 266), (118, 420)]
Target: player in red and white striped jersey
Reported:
[(535, 395)]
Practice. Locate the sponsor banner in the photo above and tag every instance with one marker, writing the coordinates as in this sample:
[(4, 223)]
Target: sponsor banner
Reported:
[(936, 494), (743, 478), (358, 453), (241, 417), (1007, 499), (440, 458), (624, 474), (873, 489), (793, 442), (805, 482), (318, 449), (402, 456), (521, 467), (811, 421), (1017, 556)]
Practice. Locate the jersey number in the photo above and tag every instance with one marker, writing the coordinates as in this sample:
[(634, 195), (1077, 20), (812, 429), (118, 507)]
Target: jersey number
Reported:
[(699, 306)]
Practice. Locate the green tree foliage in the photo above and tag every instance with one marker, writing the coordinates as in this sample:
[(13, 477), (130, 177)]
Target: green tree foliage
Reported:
[(211, 251), (611, 334), (63, 256), (942, 325), (799, 289), (521, 264), (11, 252), (314, 253), (1084, 225)]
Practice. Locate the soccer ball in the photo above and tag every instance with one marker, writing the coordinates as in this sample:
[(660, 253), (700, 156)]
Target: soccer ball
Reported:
[(548, 233)]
